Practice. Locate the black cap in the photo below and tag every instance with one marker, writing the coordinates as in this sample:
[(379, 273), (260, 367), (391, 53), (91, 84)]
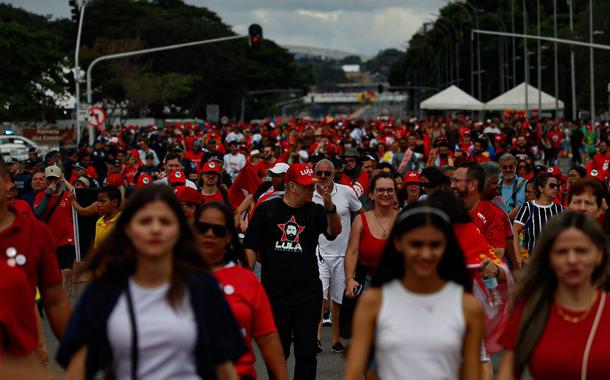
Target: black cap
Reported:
[(32, 150), (30, 163), (150, 155), (81, 166), (13, 161)]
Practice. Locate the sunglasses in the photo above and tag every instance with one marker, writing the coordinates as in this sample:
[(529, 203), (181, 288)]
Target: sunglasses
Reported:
[(553, 185), (321, 173), (507, 167), (217, 229)]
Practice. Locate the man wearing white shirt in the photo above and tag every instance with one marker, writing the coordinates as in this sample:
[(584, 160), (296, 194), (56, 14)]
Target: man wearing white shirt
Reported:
[(331, 253), (234, 161)]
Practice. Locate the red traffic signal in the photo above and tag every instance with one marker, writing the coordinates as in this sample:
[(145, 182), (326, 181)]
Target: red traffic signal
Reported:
[(255, 36)]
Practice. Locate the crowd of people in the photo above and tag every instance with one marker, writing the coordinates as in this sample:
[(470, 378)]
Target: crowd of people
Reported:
[(436, 248)]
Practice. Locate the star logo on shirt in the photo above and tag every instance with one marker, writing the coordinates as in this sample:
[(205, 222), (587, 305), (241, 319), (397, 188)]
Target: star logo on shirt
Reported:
[(291, 230)]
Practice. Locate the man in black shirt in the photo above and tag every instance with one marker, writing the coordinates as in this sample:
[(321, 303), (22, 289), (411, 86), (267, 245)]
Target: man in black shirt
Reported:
[(284, 234)]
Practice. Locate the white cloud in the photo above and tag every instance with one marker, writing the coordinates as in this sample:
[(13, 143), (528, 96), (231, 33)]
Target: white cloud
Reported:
[(360, 26)]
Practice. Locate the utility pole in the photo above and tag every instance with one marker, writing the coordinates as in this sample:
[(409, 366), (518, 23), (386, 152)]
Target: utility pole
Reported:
[(539, 64), (555, 64), (512, 25), (81, 16), (592, 63), (526, 60), (572, 65)]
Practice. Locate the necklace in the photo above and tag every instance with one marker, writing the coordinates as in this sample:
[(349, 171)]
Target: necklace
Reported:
[(385, 232), (563, 313)]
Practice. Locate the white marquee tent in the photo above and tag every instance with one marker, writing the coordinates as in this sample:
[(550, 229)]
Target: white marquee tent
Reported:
[(515, 99), (452, 98)]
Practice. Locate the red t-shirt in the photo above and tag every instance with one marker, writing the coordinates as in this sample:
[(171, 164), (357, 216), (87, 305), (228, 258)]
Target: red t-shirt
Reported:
[(17, 320), (360, 185), (489, 220), (214, 197), (23, 208), (129, 174), (34, 240), (194, 157), (250, 306), (60, 221), (555, 139), (559, 353), (601, 162)]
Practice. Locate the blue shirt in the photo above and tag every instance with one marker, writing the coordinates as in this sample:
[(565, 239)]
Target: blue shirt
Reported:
[(517, 184)]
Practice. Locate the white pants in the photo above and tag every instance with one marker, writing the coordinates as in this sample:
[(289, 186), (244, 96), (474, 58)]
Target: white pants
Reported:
[(332, 274)]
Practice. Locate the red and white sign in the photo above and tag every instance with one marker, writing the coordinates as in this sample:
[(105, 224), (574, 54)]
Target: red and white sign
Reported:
[(96, 116)]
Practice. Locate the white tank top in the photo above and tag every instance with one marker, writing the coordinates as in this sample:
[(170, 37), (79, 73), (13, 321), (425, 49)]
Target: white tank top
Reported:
[(419, 336)]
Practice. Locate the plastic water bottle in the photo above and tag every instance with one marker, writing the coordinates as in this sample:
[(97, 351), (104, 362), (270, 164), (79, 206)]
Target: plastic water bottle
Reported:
[(493, 292)]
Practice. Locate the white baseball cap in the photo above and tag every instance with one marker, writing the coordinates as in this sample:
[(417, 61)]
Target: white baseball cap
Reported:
[(52, 171), (279, 168)]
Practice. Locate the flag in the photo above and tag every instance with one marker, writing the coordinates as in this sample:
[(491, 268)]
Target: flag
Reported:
[(246, 183), (476, 250)]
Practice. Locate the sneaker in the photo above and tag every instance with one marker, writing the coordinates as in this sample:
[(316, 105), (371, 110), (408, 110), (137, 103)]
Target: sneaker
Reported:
[(326, 321), (319, 346), (338, 347)]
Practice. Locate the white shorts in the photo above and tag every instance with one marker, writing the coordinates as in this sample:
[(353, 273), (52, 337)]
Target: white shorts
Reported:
[(332, 274)]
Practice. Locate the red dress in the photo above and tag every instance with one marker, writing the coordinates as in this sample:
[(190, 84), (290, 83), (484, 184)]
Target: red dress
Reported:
[(559, 352)]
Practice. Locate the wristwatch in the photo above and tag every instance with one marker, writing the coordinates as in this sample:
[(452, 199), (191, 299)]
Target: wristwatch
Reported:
[(332, 210)]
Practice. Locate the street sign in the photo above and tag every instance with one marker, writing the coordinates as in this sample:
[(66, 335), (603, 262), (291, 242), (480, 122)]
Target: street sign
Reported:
[(212, 113), (96, 116)]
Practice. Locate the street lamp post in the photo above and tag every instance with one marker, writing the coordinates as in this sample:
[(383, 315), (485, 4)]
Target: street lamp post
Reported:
[(472, 69), (526, 60), (457, 47), (592, 63), (555, 63), (539, 59), (572, 65), (145, 51), (512, 26), (466, 6), (77, 71)]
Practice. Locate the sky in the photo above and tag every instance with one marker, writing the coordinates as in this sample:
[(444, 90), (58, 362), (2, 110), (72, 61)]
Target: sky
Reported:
[(358, 26)]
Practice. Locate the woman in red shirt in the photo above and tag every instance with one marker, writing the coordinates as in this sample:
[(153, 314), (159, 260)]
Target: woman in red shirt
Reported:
[(246, 296), (560, 326)]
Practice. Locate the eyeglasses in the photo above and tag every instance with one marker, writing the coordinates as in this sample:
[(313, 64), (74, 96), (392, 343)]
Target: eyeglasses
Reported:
[(321, 173), (508, 167), (217, 229), (552, 186), (381, 190)]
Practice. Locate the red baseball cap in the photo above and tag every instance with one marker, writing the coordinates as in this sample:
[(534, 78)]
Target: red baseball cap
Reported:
[(211, 166), (412, 176), (143, 180), (598, 174), (115, 179), (176, 177), (302, 174), (555, 172), (188, 195)]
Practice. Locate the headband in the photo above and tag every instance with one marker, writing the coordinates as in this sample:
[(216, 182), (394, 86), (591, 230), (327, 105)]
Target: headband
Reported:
[(424, 210)]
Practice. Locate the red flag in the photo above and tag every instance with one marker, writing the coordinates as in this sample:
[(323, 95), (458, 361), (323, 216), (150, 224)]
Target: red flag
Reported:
[(246, 183)]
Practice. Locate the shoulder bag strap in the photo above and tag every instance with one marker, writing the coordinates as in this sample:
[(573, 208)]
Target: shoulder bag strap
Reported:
[(598, 316), (134, 335), (52, 210)]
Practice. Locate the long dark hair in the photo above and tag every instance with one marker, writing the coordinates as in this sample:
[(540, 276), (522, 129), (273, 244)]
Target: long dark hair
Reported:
[(538, 283), (452, 266), (115, 259), (235, 251)]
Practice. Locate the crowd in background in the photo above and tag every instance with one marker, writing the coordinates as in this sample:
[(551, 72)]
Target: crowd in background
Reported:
[(342, 215)]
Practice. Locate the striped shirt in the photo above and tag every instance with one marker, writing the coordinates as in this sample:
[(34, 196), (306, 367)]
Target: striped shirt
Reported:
[(533, 217)]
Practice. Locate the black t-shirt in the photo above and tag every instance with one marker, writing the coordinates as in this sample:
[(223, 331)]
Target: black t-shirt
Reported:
[(286, 238)]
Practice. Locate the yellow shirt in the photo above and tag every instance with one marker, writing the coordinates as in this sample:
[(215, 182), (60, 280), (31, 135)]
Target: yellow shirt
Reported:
[(103, 228)]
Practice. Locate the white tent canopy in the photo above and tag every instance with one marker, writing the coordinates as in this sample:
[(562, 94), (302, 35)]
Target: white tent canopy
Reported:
[(452, 98), (515, 99)]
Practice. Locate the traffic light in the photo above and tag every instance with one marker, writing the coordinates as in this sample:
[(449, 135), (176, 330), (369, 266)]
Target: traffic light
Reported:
[(255, 36), (74, 10)]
